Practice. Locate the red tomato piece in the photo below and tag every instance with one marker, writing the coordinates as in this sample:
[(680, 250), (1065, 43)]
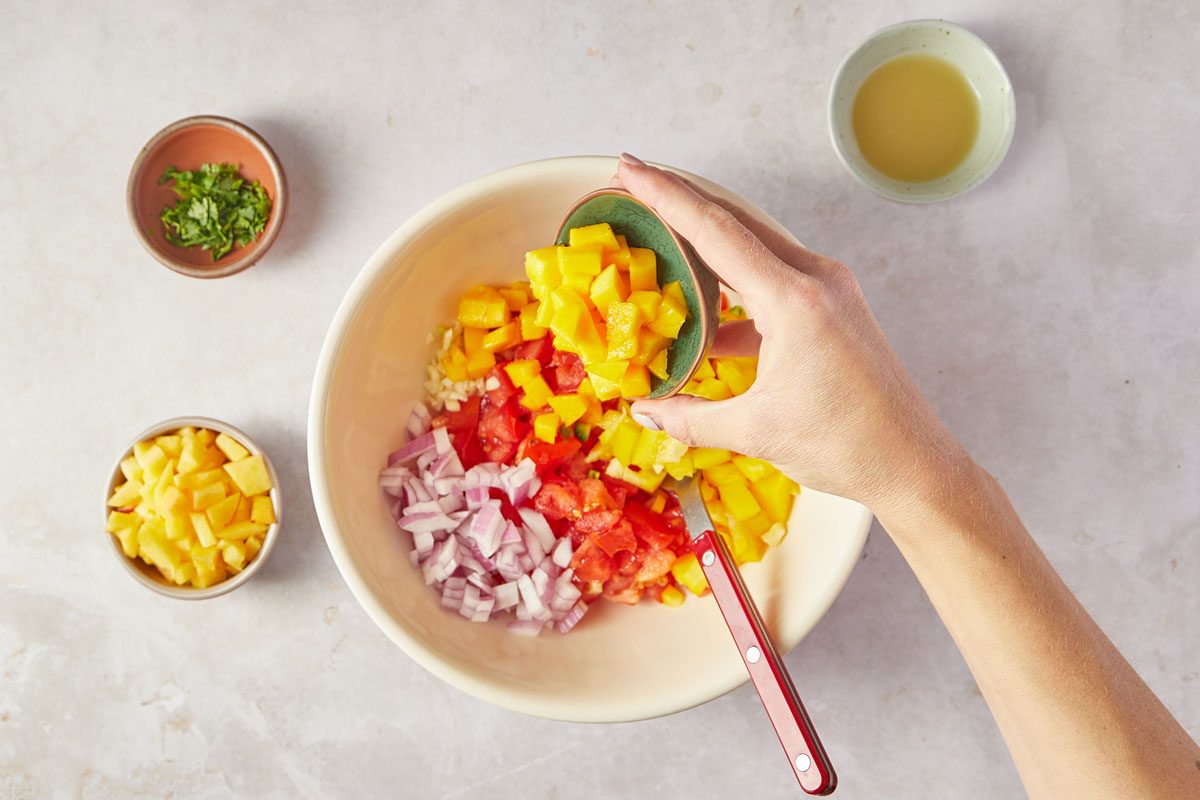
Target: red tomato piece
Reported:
[(655, 563), (650, 527), (568, 370), (576, 467), (541, 349), (499, 431), (618, 489), (596, 494), (547, 456), (599, 520), (616, 539), (622, 590), (591, 563), (502, 393), (557, 499)]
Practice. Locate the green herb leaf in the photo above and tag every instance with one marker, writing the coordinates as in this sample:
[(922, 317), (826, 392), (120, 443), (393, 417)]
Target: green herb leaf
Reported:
[(217, 210)]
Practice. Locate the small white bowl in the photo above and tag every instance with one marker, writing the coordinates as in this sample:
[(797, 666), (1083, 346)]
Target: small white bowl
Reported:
[(982, 69), (150, 577)]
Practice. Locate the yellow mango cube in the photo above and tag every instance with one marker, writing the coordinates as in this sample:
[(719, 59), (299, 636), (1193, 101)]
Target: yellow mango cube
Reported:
[(713, 389), (774, 493), (521, 371), (231, 447), (724, 473), (455, 364), (752, 468), (681, 468), (537, 393), (643, 269), (210, 569), (658, 365), (733, 375), (645, 451), (170, 444), (245, 507), (688, 573), (482, 307), (503, 337), (545, 427), (542, 268), (568, 407), (581, 259), (738, 500), (647, 301), (671, 597), (531, 328), (670, 317), (172, 501), (207, 496), (635, 382), (704, 371), (253, 544), (234, 555), (150, 457), (480, 363), (599, 234), (515, 297), (240, 530), (624, 320), (609, 287), (178, 525), (706, 457), (128, 537), (649, 345), (121, 520), (262, 510)]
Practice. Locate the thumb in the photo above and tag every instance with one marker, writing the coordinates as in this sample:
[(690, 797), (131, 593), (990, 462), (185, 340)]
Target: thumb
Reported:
[(695, 421)]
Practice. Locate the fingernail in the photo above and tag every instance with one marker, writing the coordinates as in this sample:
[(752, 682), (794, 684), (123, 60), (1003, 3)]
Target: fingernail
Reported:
[(647, 421), (630, 159)]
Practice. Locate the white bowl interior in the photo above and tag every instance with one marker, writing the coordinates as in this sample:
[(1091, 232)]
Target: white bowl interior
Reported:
[(980, 66), (621, 663)]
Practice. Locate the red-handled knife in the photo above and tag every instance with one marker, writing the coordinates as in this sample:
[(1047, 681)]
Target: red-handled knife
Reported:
[(805, 753)]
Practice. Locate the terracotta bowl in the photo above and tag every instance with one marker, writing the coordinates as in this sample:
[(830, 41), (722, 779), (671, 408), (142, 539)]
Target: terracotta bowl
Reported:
[(187, 144), (677, 261), (150, 577), (620, 663)]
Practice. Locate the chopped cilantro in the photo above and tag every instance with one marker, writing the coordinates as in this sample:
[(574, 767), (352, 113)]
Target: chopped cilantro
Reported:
[(217, 209)]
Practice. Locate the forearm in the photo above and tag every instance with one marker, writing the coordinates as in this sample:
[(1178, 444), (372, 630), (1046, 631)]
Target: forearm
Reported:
[(1077, 719)]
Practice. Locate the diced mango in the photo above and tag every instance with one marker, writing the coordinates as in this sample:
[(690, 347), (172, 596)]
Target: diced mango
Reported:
[(753, 468), (635, 382), (522, 371), (240, 530), (207, 496), (170, 444), (531, 329), (672, 312), (775, 536), (724, 473), (704, 371), (515, 298), (658, 365), (569, 407), (610, 287), (599, 234), (204, 531), (537, 393), (178, 526), (738, 500), (128, 537), (197, 480), (579, 260), (649, 345), (262, 510), (231, 447), (482, 307), (643, 269), (671, 596), (774, 493), (545, 427), (734, 375), (682, 468), (121, 520), (712, 389), (192, 455), (624, 319), (542, 268), (234, 555), (480, 363), (150, 457), (687, 572), (705, 457), (172, 501), (455, 364), (618, 258), (504, 337), (244, 509), (648, 302)]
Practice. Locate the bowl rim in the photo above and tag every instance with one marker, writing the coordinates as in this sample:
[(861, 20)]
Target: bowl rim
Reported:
[(374, 268), (229, 584), (945, 194), (278, 203), (707, 328)]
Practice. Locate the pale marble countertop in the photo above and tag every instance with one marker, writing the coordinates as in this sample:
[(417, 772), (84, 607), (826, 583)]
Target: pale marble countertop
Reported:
[(1051, 315)]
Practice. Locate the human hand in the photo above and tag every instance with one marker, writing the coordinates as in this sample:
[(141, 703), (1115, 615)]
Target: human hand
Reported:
[(832, 405)]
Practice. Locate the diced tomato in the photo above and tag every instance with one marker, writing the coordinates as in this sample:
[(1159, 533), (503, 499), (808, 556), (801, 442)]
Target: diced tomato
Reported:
[(541, 349), (557, 499), (617, 538), (576, 467), (502, 393), (548, 456), (591, 563), (619, 489), (626, 563), (622, 590), (650, 527), (596, 494), (462, 425), (568, 371), (600, 519), (655, 563), (499, 431)]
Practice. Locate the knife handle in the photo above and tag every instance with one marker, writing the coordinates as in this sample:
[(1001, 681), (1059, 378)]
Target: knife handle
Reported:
[(805, 753)]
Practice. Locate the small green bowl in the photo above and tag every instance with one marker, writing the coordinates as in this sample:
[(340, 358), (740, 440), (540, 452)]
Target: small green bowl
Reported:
[(677, 261)]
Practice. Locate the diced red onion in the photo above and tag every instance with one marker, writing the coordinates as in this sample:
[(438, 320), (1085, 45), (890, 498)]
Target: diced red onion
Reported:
[(548, 566), (441, 441), (506, 595), (477, 496), (419, 422), (480, 579), (426, 521), (537, 523), (422, 543), (451, 503), (530, 597), (533, 544), (470, 601), (572, 618), (562, 552), (525, 627), (417, 447), (487, 527)]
